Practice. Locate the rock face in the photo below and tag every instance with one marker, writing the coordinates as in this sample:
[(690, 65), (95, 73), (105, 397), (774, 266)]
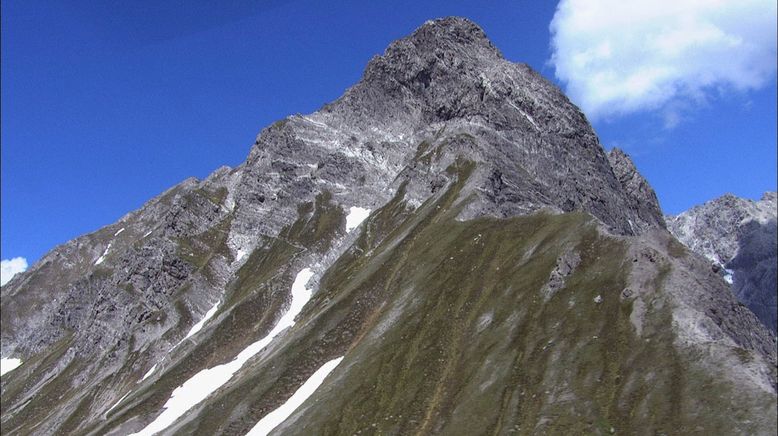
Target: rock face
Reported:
[(739, 236), (641, 197), (465, 301)]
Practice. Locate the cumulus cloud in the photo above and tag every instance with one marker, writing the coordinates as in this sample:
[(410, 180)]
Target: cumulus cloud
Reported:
[(9, 268), (622, 56)]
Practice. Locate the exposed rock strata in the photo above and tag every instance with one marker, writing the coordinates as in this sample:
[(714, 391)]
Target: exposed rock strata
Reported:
[(739, 237)]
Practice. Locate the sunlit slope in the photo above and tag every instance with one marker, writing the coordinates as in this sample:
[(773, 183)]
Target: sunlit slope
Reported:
[(509, 278), (447, 327)]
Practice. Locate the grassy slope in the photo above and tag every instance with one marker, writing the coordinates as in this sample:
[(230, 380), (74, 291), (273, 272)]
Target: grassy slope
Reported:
[(445, 331)]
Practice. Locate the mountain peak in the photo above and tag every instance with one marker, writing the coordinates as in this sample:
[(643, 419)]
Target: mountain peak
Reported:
[(440, 140), (458, 31), (448, 34), (452, 23), (446, 86), (451, 44)]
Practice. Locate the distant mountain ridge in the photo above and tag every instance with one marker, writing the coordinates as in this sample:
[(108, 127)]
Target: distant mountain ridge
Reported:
[(738, 235), (445, 249)]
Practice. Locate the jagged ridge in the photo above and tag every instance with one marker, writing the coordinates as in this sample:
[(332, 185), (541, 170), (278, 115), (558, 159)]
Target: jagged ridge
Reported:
[(739, 237)]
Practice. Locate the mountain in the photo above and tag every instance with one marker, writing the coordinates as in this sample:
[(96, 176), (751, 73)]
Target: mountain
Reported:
[(445, 249), (739, 237)]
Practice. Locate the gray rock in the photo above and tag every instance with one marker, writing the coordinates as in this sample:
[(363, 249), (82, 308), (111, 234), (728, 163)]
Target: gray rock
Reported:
[(641, 197), (739, 237), (565, 265)]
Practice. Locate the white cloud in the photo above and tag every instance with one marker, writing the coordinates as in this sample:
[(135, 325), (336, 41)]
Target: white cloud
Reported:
[(10, 268), (622, 56)]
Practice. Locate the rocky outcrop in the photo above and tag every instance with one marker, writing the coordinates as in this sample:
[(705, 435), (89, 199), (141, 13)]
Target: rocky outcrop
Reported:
[(739, 236), (446, 91), (641, 197)]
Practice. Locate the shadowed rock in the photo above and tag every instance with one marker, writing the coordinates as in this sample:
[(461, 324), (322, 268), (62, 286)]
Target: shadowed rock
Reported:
[(739, 236)]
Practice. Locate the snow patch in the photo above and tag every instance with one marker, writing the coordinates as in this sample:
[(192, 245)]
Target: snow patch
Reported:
[(355, 217), (118, 402), (207, 381), (9, 364), (728, 276), (196, 328), (239, 255), (276, 417), (120, 230), (151, 371), (147, 233), (105, 253)]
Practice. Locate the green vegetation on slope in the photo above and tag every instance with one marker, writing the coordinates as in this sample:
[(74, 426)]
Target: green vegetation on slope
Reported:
[(254, 299), (445, 331)]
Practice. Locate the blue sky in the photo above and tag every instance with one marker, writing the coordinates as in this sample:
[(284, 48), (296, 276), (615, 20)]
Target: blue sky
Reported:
[(106, 107)]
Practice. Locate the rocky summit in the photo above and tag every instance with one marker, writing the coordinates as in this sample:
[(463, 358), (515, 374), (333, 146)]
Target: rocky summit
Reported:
[(740, 238), (445, 249)]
